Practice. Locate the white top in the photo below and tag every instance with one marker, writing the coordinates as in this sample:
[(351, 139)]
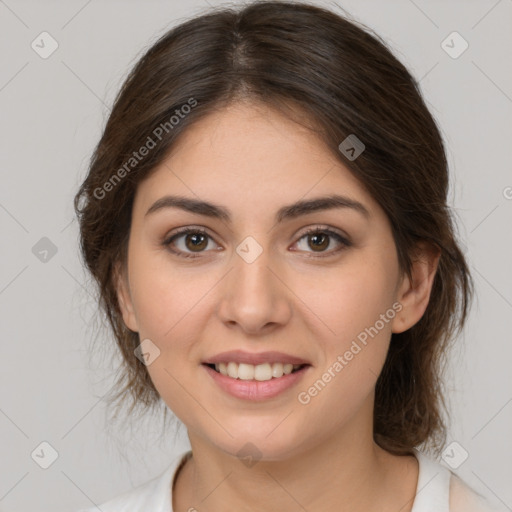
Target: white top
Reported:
[(437, 490)]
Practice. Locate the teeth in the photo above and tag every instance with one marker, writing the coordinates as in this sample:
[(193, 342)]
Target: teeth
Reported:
[(265, 371)]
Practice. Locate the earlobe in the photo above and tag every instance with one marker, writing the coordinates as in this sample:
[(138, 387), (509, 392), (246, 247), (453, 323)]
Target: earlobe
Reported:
[(124, 298), (414, 293)]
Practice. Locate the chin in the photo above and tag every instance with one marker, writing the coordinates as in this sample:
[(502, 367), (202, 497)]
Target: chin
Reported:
[(263, 440)]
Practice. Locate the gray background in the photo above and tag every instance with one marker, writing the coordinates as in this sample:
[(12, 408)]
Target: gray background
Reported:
[(52, 114)]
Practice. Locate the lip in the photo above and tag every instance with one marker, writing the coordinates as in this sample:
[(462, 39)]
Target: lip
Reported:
[(240, 356), (254, 390)]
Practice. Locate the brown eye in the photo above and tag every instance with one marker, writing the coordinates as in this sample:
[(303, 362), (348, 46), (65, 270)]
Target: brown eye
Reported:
[(188, 241), (318, 240), (195, 241)]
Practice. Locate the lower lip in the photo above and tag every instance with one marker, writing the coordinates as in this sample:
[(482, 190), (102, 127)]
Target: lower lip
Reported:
[(256, 390)]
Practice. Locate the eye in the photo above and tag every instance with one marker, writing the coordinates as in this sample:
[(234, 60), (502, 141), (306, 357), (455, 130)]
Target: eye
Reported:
[(196, 240), (193, 239), (320, 239)]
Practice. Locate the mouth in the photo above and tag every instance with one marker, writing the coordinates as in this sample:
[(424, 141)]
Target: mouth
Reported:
[(260, 372), (255, 383)]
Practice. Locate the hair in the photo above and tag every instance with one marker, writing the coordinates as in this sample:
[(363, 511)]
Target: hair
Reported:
[(336, 76)]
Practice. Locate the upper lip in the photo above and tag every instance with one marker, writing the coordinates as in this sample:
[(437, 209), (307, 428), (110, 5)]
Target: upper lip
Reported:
[(239, 356)]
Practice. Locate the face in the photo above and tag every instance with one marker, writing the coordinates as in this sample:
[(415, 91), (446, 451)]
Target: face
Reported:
[(258, 282)]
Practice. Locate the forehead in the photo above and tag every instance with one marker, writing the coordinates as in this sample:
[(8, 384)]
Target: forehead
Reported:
[(250, 157)]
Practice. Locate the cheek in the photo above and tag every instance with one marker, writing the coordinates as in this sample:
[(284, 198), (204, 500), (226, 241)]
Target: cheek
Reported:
[(355, 306), (358, 311), (169, 304), (349, 298), (164, 295)]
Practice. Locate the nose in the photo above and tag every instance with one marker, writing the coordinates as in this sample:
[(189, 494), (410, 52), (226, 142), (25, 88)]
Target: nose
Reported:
[(254, 295)]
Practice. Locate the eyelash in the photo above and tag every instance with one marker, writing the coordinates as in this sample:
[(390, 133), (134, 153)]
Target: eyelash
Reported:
[(316, 230)]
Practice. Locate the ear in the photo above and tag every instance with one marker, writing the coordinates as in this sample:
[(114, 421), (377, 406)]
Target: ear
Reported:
[(414, 294), (124, 297)]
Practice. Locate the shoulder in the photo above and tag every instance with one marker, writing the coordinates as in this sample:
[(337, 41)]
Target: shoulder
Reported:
[(134, 499), (154, 495), (442, 490), (465, 499)]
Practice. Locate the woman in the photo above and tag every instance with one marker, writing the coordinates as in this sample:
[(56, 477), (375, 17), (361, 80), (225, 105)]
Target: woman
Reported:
[(265, 216)]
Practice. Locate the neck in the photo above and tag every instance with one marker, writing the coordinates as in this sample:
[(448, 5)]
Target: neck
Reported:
[(346, 473)]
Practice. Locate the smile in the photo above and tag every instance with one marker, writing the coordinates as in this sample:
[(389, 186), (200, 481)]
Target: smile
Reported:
[(260, 372), (255, 382)]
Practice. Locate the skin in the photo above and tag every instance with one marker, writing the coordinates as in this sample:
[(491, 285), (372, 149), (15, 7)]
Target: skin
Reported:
[(320, 456)]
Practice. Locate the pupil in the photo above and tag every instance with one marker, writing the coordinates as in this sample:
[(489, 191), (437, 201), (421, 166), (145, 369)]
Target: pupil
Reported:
[(195, 243), (322, 236)]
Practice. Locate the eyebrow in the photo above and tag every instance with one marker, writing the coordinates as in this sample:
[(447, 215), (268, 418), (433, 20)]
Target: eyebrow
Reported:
[(288, 212)]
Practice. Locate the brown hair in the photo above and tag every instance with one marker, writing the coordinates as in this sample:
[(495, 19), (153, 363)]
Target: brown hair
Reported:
[(305, 61)]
